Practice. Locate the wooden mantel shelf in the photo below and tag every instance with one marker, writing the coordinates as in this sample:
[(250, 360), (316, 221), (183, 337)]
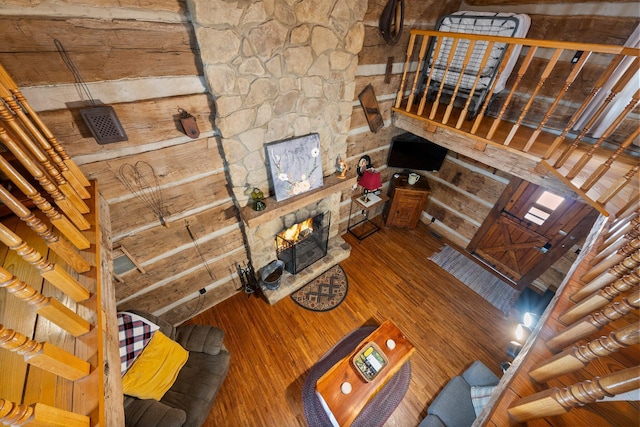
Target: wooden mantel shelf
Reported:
[(274, 209)]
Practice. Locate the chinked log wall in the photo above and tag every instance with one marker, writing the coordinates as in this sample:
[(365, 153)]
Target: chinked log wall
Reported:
[(144, 62)]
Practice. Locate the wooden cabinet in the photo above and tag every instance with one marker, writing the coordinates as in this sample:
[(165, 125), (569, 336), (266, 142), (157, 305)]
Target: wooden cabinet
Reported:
[(407, 202)]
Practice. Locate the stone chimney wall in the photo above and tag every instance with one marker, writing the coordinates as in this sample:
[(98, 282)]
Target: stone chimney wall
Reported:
[(278, 69)]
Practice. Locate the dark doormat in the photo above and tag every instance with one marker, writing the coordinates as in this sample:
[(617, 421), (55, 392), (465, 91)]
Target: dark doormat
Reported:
[(325, 292)]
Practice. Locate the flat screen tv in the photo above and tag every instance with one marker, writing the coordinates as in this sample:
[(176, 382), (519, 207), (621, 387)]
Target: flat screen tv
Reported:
[(409, 151)]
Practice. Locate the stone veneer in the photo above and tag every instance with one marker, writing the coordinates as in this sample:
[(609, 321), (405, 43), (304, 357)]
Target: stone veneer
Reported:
[(278, 69)]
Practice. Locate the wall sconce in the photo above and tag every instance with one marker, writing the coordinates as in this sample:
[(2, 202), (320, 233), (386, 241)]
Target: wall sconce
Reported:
[(189, 124)]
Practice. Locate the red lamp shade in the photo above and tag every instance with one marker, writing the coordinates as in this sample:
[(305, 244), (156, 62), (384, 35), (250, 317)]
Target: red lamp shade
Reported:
[(370, 180)]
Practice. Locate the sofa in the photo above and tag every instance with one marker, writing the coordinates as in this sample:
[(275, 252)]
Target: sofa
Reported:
[(453, 406), (188, 401)]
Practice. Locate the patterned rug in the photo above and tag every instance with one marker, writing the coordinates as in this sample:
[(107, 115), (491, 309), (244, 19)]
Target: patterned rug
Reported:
[(379, 408), (325, 292), (485, 284)]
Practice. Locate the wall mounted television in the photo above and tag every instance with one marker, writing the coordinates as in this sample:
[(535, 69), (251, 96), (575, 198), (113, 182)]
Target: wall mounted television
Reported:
[(411, 152)]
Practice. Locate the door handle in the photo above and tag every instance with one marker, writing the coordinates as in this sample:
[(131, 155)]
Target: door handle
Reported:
[(544, 249)]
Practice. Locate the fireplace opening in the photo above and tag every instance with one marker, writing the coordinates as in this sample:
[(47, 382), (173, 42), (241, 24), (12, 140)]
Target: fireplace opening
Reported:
[(304, 243)]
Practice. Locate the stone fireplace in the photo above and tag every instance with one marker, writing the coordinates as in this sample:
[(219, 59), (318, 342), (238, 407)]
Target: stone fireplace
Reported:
[(280, 69)]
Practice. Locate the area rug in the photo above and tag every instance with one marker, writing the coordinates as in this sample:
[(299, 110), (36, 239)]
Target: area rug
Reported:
[(325, 292), (379, 408), (485, 284)]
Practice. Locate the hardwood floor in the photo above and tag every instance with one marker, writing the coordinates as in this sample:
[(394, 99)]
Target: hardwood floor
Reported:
[(273, 347)]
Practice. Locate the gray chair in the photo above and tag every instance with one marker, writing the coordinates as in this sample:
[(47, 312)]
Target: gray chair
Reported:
[(453, 407), (188, 402)]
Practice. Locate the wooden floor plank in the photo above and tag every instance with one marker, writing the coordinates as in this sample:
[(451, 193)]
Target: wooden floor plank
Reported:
[(273, 347)]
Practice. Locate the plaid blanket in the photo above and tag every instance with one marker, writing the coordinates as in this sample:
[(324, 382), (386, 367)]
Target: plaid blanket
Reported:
[(134, 332)]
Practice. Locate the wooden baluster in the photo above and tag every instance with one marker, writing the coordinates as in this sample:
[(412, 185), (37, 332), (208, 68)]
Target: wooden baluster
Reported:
[(39, 415), (58, 245), (44, 355), (543, 78), (65, 179), (465, 64), (35, 171), (619, 223), (595, 321), (633, 202), (59, 221), (407, 64), (584, 159), (57, 276), (575, 70), (576, 116), (483, 63), (421, 53), (604, 167), (615, 90), (625, 251), (14, 414), (609, 276), (601, 298), (7, 81), (625, 224), (49, 168), (521, 71), (618, 240), (555, 401), (618, 186), (487, 99), (49, 308), (576, 358), (434, 58), (452, 54)]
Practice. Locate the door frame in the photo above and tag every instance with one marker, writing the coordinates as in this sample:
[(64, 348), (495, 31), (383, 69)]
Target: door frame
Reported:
[(589, 215)]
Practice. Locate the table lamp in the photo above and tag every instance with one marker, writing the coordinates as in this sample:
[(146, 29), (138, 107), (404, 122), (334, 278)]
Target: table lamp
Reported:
[(370, 181)]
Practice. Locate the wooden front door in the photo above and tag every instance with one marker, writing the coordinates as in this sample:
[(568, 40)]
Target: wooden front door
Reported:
[(529, 229)]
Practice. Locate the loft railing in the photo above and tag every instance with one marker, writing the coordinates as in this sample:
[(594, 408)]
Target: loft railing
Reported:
[(57, 327), (585, 349), (573, 105)]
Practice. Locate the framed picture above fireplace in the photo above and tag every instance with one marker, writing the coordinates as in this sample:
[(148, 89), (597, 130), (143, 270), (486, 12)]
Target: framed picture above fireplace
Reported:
[(295, 165)]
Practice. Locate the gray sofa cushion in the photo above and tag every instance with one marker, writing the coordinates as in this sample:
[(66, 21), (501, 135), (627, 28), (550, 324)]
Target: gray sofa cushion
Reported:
[(197, 384), (149, 412), (479, 374), (453, 404), (431, 421)]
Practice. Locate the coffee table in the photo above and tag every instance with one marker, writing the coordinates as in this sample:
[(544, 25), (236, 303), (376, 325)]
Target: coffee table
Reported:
[(344, 405)]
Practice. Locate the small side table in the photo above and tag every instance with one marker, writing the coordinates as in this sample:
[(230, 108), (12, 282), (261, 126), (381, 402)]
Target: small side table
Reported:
[(364, 227)]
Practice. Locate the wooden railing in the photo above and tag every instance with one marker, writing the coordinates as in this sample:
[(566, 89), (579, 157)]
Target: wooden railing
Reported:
[(57, 315), (586, 348), (549, 92)]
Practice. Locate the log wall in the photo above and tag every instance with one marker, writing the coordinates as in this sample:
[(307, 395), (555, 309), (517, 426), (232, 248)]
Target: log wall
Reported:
[(143, 61)]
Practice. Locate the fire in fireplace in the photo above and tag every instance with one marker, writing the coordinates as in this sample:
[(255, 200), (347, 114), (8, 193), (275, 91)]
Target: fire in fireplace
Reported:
[(304, 243)]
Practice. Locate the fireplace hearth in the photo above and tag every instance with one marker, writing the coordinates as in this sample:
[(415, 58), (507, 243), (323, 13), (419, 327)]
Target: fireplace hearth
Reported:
[(304, 243)]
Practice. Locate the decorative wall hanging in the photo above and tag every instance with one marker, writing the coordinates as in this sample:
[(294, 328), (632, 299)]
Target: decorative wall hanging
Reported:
[(371, 110), (102, 121), (295, 164), (142, 181), (189, 124), (391, 21)]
